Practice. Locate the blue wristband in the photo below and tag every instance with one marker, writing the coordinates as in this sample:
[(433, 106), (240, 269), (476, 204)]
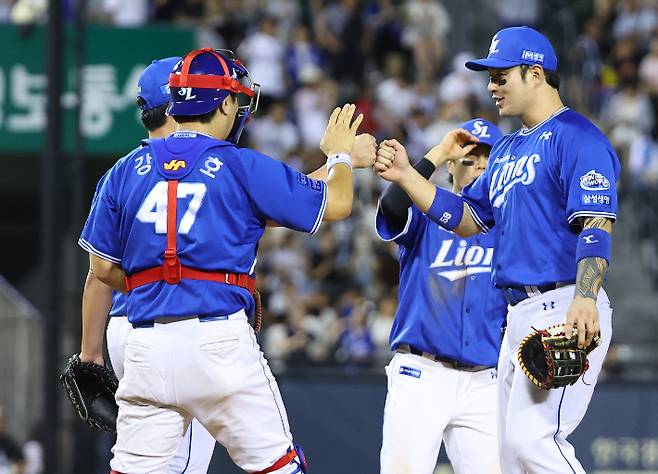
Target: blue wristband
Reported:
[(594, 243), (446, 209)]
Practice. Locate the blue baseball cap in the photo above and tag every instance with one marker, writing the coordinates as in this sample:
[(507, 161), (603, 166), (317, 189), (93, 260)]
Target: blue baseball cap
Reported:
[(517, 45), (153, 84), (486, 131)]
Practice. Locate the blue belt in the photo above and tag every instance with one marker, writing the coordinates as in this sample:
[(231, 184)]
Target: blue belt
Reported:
[(202, 319), (515, 294)]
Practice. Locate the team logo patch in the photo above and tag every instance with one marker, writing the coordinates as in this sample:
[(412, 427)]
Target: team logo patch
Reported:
[(173, 165), (593, 181), (310, 183), (410, 371)]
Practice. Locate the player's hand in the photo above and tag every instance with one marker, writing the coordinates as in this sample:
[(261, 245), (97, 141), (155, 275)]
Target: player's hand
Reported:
[(584, 316), (456, 144), (96, 359), (392, 162), (364, 151), (340, 132)]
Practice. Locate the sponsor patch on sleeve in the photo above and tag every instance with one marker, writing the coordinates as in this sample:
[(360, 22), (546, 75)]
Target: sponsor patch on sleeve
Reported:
[(595, 200), (310, 183), (594, 181), (410, 371)]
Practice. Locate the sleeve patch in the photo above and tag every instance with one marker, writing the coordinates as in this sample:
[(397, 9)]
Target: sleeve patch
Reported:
[(595, 199), (310, 183), (593, 181)]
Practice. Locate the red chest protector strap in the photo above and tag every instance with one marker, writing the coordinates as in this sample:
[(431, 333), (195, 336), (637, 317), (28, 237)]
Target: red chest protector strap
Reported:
[(171, 270)]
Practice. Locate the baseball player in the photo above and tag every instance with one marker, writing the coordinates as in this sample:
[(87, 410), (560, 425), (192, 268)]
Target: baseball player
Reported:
[(447, 329), (549, 196), (196, 447), (181, 237)]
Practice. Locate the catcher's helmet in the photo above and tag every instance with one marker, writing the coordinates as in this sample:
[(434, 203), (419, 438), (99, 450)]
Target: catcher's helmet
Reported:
[(203, 78)]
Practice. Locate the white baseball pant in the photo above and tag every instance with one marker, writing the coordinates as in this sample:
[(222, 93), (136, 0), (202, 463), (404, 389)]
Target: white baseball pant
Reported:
[(535, 423), (196, 446), (213, 371), (438, 403)]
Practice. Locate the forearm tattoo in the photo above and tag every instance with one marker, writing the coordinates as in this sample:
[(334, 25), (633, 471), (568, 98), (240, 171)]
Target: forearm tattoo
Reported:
[(591, 270)]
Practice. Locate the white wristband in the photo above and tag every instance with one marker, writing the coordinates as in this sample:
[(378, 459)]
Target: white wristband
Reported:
[(333, 160)]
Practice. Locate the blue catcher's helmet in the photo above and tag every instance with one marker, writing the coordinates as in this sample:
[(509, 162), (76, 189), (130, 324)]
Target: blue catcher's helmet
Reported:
[(203, 78)]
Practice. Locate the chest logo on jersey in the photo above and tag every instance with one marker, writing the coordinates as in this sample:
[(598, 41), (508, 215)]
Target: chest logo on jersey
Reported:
[(174, 165), (510, 172), (593, 181), (472, 259)]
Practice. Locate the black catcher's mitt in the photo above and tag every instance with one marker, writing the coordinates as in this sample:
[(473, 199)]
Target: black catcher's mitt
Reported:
[(550, 359), (91, 388)]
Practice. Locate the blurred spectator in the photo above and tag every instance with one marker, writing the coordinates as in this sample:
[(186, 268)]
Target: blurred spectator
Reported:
[(264, 53), (648, 73), (385, 27), (383, 323), (126, 12), (643, 161), (355, 344), (302, 55), (11, 456), (313, 103), (274, 134), (586, 56), (628, 114), (33, 451), (517, 12), (395, 96), (634, 19), (340, 30), (426, 26), (464, 84), (28, 11)]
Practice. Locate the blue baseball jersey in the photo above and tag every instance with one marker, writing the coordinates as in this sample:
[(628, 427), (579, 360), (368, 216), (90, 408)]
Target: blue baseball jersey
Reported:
[(448, 305), (118, 307), (225, 197), (538, 183)]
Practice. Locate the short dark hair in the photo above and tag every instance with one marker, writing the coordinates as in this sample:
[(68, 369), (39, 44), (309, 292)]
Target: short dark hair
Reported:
[(552, 77), (203, 118), (153, 119)]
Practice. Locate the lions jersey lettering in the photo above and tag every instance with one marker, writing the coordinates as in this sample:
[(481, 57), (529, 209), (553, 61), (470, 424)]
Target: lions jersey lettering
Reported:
[(214, 209), (564, 161), (512, 172), (448, 305), (474, 259)]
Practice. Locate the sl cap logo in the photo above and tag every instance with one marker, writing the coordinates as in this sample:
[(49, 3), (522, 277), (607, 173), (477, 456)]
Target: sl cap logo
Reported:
[(174, 165), (480, 130)]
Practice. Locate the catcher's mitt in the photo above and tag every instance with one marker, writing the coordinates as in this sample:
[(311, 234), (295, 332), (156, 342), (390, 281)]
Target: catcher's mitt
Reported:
[(550, 359), (91, 388)]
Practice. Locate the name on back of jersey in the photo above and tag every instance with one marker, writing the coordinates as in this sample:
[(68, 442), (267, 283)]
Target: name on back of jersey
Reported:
[(456, 259), (510, 172)]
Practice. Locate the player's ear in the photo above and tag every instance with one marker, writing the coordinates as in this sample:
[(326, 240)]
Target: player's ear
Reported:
[(227, 104)]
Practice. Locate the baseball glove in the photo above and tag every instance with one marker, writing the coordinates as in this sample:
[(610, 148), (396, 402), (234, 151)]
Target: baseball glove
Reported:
[(550, 359), (91, 388)]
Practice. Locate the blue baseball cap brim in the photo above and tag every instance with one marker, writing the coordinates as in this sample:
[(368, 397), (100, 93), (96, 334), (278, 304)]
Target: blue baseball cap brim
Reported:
[(484, 64)]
